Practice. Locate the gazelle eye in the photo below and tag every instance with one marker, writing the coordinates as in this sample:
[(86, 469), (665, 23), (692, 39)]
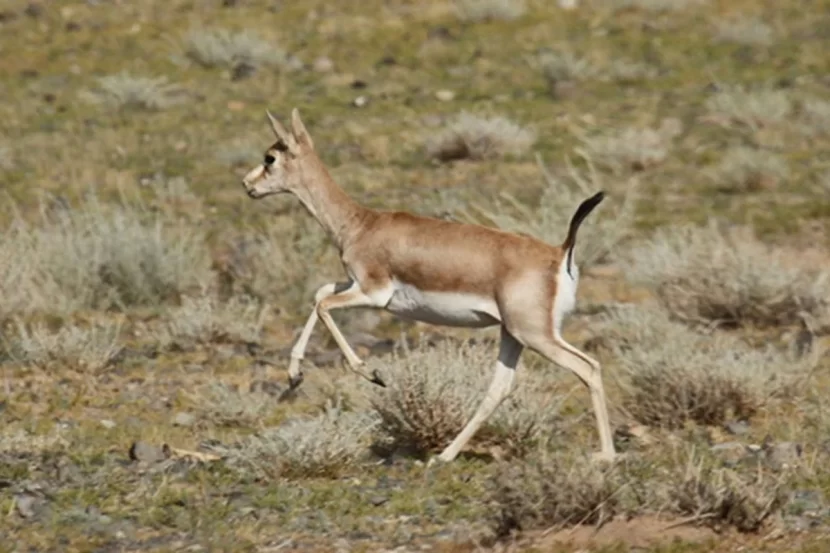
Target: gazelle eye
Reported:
[(269, 159)]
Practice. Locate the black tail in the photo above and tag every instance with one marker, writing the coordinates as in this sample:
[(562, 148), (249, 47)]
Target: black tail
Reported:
[(584, 209)]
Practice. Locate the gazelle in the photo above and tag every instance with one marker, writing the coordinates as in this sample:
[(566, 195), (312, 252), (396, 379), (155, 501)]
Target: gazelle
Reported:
[(435, 271)]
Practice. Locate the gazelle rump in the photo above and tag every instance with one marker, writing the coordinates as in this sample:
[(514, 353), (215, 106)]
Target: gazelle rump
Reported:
[(435, 271)]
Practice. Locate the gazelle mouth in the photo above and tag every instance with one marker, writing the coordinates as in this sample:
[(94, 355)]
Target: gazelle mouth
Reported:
[(252, 193)]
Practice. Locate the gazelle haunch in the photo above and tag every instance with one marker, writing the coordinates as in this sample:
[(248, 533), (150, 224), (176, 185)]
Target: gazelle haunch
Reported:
[(435, 271)]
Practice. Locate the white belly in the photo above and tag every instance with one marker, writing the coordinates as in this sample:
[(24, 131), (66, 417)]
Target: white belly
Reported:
[(565, 300), (443, 308)]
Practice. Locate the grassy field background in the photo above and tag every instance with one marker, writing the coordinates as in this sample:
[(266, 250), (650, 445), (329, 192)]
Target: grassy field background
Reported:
[(147, 306)]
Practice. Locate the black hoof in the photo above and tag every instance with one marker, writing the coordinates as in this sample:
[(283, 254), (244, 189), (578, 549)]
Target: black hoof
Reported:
[(376, 379), (293, 382)]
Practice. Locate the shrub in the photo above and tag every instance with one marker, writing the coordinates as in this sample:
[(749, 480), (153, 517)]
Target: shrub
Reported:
[(7, 161), (205, 319), (89, 348), (227, 406), (753, 109), (549, 490), (670, 374), (656, 5), (816, 116), (598, 237), (565, 66), (124, 91), (433, 392), (472, 137), (482, 10), (322, 446), (705, 274), (749, 32), (223, 48), (632, 148), (747, 169)]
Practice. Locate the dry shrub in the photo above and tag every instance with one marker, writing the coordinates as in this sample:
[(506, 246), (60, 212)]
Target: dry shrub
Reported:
[(227, 406), (7, 158), (747, 169), (745, 31), (753, 109), (206, 319), (283, 264), (549, 490), (632, 148), (223, 48), (600, 235), (473, 137), (565, 66), (724, 497), (19, 442), (704, 274), (670, 374), (815, 114), (322, 446), (91, 348), (656, 5), (433, 392), (126, 91), (100, 257), (486, 10)]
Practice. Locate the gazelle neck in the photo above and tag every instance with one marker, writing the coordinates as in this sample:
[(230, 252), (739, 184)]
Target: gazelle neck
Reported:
[(328, 203)]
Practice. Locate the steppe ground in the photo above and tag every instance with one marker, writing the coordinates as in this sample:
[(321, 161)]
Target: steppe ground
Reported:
[(148, 306)]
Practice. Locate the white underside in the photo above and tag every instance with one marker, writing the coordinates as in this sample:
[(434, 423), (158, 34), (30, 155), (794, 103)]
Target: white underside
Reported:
[(565, 299), (442, 308)]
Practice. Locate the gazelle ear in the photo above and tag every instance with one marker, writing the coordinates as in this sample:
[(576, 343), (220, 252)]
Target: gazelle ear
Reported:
[(280, 132), (300, 132)]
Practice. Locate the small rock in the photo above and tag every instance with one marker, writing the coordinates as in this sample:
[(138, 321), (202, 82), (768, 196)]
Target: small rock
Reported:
[(26, 505), (146, 453), (445, 95), (782, 455), (323, 64), (360, 101), (378, 500), (737, 428), (108, 424), (183, 419)]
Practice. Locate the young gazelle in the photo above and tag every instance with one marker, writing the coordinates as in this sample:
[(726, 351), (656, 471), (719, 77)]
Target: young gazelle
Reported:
[(438, 272)]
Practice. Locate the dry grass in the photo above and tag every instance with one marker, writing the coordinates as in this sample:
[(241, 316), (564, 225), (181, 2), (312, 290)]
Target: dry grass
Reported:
[(88, 348), (227, 406), (488, 10), (634, 149), (223, 48), (745, 31), (751, 109), (126, 91), (17, 441), (206, 319), (550, 490), (304, 447), (473, 137), (433, 392), (656, 5), (565, 66), (670, 374), (599, 235), (704, 274), (815, 114), (745, 169), (7, 160)]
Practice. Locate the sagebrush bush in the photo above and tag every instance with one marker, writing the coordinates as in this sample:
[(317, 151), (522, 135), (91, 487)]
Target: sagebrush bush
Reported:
[(226, 406), (433, 392), (745, 31), (706, 274), (321, 446), (815, 114), (602, 232), (125, 91), (656, 5), (206, 319), (224, 48), (753, 109), (632, 148), (474, 137), (565, 66), (549, 490), (89, 348), (483, 10), (747, 169), (670, 374)]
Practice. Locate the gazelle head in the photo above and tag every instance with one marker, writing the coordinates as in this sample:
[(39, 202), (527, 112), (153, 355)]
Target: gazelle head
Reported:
[(282, 166)]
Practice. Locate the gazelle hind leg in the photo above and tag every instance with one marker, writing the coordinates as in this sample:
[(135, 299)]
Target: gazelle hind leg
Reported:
[(588, 371), (509, 351)]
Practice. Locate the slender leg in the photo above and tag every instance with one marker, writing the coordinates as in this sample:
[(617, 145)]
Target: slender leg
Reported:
[(509, 351), (353, 297), (588, 371)]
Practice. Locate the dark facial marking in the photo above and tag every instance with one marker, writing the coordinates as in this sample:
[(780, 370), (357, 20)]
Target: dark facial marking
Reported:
[(269, 159)]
